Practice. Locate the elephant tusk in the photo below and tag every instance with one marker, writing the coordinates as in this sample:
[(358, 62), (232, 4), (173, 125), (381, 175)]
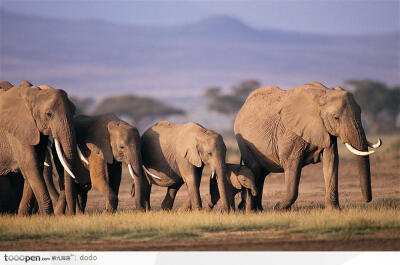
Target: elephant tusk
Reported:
[(378, 144), (151, 174), (62, 159), (46, 164), (357, 152), (213, 174), (81, 156), (131, 171)]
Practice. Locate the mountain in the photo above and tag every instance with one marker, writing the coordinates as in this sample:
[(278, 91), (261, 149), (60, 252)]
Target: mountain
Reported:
[(97, 58)]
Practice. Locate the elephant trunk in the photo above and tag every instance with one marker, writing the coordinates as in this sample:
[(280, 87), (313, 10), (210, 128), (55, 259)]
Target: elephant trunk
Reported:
[(359, 141), (65, 142), (224, 190), (136, 172)]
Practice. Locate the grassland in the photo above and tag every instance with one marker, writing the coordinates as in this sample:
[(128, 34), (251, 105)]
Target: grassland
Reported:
[(370, 226)]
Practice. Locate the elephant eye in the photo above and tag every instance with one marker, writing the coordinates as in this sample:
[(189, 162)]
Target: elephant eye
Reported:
[(209, 153), (336, 118), (49, 114), (121, 146)]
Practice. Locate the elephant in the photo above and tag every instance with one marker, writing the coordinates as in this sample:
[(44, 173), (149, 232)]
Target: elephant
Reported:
[(241, 179), (174, 154), (104, 143), (283, 131), (11, 187), (28, 116)]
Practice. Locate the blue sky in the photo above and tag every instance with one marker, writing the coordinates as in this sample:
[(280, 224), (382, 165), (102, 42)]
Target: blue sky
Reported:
[(322, 16)]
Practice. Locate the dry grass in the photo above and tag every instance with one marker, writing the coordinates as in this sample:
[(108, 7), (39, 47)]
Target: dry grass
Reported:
[(380, 216)]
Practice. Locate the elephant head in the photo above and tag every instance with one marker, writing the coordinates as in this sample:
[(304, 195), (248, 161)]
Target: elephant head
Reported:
[(30, 111), (207, 147), (112, 138), (242, 177), (317, 113)]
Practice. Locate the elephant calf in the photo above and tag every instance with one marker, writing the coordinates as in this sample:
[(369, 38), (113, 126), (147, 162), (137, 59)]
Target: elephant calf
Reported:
[(240, 179)]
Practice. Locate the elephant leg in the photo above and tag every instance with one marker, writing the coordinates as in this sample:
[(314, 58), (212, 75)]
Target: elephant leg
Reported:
[(260, 188), (214, 193), (114, 176), (27, 201), (147, 192), (187, 206), (17, 187), (99, 179), (192, 181), (292, 179), (30, 160), (81, 200), (61, 204), (48, 178), (259, 174), (70, 194), (58, 170), (169, 199), (330, 164), (248, 198)]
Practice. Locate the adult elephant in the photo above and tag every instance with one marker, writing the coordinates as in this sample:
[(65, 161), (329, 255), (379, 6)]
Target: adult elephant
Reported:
[(283, 131), (28, 116), (174, 154), (105, 142)]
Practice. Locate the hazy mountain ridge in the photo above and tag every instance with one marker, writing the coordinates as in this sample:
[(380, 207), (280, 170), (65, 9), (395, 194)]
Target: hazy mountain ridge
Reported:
[(106, 58)]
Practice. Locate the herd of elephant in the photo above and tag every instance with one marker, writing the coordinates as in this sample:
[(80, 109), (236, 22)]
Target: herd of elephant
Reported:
[(43, 142)]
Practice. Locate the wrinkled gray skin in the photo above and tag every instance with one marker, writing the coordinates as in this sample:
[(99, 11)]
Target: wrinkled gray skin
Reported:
[(283, 131), (177, 154), (28, 116), (106, 142), (241, 179)]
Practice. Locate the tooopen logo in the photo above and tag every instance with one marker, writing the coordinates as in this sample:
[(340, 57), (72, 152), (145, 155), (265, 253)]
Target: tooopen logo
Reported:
[(21, 258)]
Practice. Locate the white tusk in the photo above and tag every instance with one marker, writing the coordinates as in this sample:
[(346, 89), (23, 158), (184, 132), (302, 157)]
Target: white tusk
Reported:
[(378, 144), (62, 159), (151, 174), (46, 164), (81, 156), (213, 174), (131, 171), (357, 152)]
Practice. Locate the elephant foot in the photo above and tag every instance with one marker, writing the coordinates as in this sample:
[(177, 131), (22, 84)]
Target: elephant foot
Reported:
[(112, 204), (280, 207), (166, 206), (332, 207)]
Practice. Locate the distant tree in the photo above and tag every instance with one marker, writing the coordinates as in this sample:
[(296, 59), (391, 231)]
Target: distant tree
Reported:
[(380, 104), (230, 103), (82, 104), (245, 88), (139, 109), (212, 92)]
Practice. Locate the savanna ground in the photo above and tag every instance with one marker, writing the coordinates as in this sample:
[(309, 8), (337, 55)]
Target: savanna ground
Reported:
[(307, 226)]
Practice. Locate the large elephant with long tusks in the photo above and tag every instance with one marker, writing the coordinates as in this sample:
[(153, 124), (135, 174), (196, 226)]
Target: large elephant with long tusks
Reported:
[(28, 116), (105, 142), (283, 131)]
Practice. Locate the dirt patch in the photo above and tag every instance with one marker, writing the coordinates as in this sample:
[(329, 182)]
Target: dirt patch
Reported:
[(242, 241)]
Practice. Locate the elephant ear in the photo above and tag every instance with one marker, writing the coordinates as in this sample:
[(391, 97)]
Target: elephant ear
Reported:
[(300, 113), (16, 116), (188, 149), (97, 136)]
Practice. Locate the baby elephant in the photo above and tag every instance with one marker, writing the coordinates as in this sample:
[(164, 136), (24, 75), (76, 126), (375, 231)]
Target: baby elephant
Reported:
[(241, 179)]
